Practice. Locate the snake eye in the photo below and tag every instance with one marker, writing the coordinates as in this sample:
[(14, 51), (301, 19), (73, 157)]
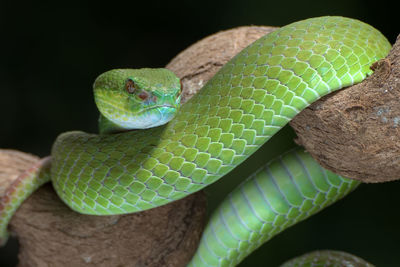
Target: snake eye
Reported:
[(130, 86)]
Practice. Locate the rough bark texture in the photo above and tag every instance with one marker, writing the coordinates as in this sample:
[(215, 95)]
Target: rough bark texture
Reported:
[(353, 133), (51, 234), (356, 132)]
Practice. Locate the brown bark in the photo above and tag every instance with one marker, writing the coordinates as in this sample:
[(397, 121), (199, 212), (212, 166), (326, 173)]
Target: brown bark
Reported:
[(359, 128), (356, 132), (51, 234)]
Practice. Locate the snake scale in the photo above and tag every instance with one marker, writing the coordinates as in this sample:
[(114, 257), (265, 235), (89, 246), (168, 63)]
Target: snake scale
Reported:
[(250, 99)]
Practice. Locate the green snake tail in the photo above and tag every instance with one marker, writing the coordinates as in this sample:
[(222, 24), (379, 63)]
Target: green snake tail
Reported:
[(26, 183), (282, 193)]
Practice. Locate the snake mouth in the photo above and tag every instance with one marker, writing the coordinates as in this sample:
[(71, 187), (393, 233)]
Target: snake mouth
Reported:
[(115, 106), (158, 107), (146, 117), (155, 116)]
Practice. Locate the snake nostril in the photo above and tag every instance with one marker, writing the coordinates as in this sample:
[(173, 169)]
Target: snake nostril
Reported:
[(143, 95)]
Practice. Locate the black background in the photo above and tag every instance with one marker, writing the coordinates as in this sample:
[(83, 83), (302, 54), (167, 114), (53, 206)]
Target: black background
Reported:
[(53, 50)]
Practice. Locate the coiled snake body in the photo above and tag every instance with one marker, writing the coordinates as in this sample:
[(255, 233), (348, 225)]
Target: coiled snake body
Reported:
[(251, 98)]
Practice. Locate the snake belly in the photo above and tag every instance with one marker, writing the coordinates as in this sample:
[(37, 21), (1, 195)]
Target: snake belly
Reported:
[(251, 98)]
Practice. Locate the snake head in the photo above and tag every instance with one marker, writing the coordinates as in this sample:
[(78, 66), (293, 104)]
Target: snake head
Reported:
[(138, 98)]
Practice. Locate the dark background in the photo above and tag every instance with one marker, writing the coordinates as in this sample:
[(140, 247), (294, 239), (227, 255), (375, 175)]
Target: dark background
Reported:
[(53, 50)]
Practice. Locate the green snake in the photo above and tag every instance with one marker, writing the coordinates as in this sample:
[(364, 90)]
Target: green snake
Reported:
[(250, 99)]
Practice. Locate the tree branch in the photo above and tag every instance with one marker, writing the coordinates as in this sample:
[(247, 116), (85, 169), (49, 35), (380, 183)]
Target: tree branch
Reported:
[(350, 132)]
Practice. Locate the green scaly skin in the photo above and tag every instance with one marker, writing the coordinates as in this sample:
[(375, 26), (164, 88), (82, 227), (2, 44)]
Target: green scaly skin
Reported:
[(327, 258), (282, 193), (251, 98)]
